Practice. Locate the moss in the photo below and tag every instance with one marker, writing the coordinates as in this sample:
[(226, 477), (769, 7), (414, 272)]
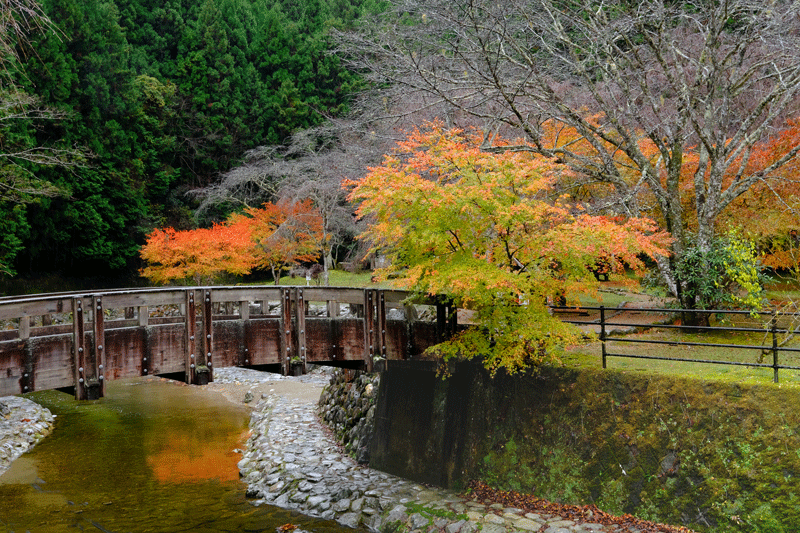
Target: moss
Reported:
[(714, 456)]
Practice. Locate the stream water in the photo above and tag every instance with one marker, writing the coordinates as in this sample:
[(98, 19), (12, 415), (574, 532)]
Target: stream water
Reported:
[(152, 456)]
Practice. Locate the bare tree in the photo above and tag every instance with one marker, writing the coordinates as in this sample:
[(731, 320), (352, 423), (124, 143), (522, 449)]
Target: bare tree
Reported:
[(714, 78), (312, 165)]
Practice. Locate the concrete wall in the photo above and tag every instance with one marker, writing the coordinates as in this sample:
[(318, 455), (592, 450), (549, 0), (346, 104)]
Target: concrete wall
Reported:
[(714, 456)]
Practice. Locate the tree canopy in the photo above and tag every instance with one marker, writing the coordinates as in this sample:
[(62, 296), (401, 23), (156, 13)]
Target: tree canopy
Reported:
[(660, 108), (479, 227)]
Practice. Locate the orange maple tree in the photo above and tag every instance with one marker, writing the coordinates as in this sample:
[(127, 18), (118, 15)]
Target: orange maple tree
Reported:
[(476, 226), (272, 236), (282, 234), (199, 255)]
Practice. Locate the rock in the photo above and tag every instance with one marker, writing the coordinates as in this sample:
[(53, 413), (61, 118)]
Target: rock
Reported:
[(349, 519), (417, 521)]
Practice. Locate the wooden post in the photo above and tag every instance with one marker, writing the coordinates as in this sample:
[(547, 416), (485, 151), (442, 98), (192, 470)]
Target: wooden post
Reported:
[(244, 316), (369, 329), (206, 370), (774, 329), (380, 323), (301, 329), (96, 382), (24, 327), (28, 383), (441, 321), (190, 315), (287, 346), (333, 308), (89, 364), (78, 348), (603, 333)]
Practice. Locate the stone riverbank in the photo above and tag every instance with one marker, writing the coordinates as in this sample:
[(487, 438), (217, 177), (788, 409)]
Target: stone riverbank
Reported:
[(23, 423), (292, 461)]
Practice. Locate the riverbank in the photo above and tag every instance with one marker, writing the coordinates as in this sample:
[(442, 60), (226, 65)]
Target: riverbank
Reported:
[(23, 423), (292, 461)]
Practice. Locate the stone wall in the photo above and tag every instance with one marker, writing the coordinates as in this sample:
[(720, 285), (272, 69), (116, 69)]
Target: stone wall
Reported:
[(347, 406)]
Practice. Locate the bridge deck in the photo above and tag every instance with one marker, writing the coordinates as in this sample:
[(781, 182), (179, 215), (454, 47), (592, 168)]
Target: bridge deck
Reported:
[(81, 340)]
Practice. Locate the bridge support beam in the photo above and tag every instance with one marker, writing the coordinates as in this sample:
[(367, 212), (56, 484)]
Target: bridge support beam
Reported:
[(374, 327), (301, 329), (89, 361), (287, 340), (198, 354)]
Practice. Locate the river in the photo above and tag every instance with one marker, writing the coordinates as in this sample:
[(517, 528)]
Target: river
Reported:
[(151, 456)]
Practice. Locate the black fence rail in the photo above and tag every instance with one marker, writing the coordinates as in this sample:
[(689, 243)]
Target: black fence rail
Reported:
[(771, 323)]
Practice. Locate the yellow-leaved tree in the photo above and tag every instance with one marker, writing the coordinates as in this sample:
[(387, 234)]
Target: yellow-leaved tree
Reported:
[(481, 228)]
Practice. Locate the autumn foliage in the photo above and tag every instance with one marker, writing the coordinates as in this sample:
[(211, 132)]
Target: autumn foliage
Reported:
[(480, 226), (273, 236)]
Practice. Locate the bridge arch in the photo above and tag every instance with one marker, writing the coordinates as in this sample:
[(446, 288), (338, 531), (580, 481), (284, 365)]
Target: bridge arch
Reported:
[(80, 340)]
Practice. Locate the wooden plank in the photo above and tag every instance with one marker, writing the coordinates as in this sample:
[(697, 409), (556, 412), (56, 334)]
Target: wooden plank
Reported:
[(250, 294), (32, 307), (263, 342), (51, 363), (325, 294), (12, 366)]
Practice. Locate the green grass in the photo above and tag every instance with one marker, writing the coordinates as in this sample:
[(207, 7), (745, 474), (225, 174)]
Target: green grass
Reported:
[(336, 278)]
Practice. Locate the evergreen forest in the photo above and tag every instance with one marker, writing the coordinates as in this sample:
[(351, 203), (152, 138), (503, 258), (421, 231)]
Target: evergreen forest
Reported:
[(158, 99)]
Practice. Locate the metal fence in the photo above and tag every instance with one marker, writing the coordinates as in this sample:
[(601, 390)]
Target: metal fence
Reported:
[(771, 326)]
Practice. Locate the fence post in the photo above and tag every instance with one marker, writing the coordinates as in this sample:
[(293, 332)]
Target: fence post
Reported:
[(774, 328), (603, 333)]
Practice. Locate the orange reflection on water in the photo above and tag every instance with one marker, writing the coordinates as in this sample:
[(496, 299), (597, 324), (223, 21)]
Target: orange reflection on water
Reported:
[(182, 458)]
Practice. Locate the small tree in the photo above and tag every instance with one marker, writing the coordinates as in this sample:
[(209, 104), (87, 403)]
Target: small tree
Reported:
[(282, 234), (476, 226), (198, 255)]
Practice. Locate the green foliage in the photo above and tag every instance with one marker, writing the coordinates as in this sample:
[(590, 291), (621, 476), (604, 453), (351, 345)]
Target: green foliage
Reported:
[(726, 275), (712, 456), (166, 95), (476, 227)]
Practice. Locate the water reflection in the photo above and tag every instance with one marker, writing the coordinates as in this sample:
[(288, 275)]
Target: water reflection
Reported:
[(151, 456)]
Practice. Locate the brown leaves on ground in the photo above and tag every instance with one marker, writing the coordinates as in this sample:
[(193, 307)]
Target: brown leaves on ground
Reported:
[(577, 513)]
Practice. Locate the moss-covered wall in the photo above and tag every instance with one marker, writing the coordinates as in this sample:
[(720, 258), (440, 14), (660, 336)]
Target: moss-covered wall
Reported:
[(712, 456)]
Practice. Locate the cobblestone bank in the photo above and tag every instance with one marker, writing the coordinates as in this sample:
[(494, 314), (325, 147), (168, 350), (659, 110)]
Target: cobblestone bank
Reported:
[(293, 462), (23, 423)]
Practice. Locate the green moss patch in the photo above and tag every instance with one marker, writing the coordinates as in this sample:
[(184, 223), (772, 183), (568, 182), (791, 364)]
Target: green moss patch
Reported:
[(712, 456)]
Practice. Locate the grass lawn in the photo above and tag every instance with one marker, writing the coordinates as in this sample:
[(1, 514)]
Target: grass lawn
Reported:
[(589, 354)]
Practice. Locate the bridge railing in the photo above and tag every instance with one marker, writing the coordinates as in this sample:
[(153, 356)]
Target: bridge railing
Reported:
[(83, 339)]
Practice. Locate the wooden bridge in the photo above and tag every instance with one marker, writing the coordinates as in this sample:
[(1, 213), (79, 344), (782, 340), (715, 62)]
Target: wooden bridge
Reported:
[(81, 340)]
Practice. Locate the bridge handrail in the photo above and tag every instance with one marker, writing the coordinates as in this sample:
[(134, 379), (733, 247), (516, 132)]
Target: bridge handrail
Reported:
[(15, 307)]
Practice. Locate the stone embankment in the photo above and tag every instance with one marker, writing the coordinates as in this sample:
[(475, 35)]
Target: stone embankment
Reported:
[(23, 423), (292, 461)]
